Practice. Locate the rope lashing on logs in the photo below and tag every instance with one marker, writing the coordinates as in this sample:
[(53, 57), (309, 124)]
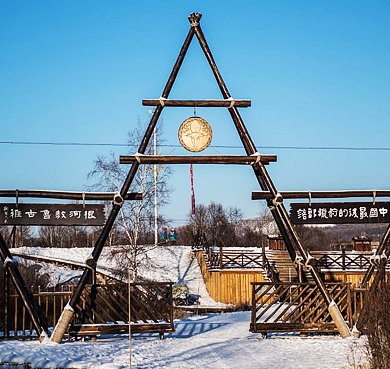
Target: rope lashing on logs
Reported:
[(137, 157), (373, 197), (310, 262), (232, 102), (162, 101), (278, 200), (309, 198), (118, 199), (194, 19), (298, 260), (258, 157), (377, 259), (83, 198), (90, 262), (8, 262)]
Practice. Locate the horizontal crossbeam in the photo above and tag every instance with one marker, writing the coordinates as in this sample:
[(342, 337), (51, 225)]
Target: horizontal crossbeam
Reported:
[(189, 159), (214, 103), (67, 195), (266, 195)]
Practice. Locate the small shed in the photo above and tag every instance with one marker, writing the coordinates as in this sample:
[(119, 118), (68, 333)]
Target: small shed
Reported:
[(276, 242), (361, 243)]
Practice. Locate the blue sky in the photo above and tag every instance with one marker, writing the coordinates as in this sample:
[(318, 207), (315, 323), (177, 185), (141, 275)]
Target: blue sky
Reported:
[(317, 73)]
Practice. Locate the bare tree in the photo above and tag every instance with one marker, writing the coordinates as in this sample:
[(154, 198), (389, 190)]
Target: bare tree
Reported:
[(216, 223), (133, 222), (23, 235), (267, 223)]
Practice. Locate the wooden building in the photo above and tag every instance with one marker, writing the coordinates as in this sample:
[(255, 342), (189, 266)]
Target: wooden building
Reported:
[(276, 242), (361, 243)]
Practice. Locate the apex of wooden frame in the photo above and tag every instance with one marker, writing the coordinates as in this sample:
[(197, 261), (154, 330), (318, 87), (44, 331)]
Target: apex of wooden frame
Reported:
[(194, 19)]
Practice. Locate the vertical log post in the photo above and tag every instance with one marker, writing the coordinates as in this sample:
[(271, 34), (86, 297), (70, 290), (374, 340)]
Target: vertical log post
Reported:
[(343, 257), (263, 253), (276, 206), (220, 258), (93, 295), (68, 312), (6, 303), (253, 315)]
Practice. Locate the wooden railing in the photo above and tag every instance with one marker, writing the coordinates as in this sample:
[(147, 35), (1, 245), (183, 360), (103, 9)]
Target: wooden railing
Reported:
[(218, 258), (343, 260), (300, 307), (339, 260), (102, 309)]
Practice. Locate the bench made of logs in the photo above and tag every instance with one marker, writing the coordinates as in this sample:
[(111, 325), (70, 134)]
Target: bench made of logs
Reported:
[(84, 330)]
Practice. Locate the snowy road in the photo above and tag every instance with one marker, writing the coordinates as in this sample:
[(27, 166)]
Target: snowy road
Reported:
[(214, 341)]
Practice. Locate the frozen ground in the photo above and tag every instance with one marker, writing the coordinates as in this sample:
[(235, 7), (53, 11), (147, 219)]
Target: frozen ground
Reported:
[(213, 341)]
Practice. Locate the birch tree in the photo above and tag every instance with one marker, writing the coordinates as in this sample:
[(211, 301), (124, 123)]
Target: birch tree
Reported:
[(133, 222)]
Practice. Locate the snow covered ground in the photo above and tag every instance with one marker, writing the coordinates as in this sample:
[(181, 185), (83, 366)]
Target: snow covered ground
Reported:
[(167, 263), (213, 341)]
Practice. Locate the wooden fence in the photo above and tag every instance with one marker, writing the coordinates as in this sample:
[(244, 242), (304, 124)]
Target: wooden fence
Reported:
[(218, 258), (300, 307), (343, 260), (103, 309)]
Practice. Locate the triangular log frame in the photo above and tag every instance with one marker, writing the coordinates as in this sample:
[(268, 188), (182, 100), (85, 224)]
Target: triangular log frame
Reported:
[(275, 204)]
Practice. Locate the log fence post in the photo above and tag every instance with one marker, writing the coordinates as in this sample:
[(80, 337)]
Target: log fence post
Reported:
[(6, 304), (343, 257)]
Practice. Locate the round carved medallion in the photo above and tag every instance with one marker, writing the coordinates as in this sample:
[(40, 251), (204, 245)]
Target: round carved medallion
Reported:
[(195, 134)]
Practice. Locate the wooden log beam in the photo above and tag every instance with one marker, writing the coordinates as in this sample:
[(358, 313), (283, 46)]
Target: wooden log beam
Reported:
[(212, 103), (67, 195), (266, 195), (189, 159)]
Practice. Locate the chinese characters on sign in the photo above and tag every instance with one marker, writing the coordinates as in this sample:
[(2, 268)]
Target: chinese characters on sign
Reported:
[(52, 214), (340, 212)]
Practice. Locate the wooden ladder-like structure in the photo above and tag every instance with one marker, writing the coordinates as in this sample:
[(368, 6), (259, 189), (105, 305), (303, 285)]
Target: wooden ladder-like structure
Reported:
[(257, 161)]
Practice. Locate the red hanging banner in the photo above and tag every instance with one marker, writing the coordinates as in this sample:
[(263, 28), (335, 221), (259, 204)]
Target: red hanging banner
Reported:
[(192, 193)]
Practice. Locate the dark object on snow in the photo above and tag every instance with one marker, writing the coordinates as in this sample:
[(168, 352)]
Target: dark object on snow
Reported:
[(185, 299)]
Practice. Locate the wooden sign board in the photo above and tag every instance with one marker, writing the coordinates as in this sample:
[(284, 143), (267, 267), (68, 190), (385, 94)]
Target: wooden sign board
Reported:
[(340, 213), (52, 214)]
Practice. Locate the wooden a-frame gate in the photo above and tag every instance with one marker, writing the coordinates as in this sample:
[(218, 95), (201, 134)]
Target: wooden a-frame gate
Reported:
[(253, 158), (258, 162)]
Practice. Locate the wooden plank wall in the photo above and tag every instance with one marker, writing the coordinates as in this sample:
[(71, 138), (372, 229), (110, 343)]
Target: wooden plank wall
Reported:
[(353, 276), (229, 286)]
